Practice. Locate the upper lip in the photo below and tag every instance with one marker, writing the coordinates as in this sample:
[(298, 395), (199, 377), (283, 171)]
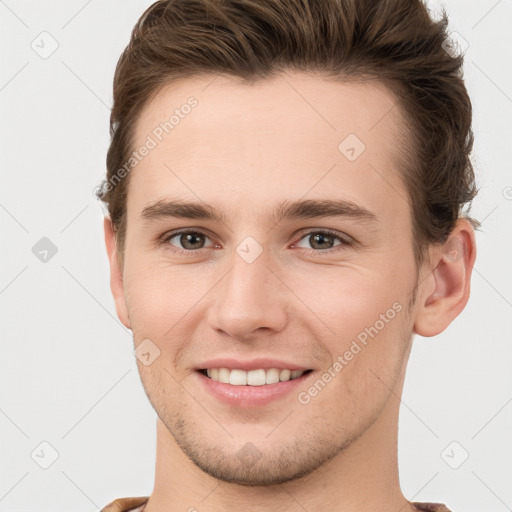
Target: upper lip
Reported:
[(253, 364)]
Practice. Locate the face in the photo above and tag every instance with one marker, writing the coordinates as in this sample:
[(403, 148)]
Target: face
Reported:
[(298, 255)]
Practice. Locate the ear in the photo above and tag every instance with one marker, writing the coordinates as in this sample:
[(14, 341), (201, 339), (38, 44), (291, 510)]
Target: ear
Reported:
[(116, 276), (445, 290)]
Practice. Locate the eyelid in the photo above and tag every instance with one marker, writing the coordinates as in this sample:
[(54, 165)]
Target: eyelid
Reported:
[(346, 239)]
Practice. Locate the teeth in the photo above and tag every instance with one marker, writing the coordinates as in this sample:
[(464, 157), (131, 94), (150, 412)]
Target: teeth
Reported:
[(260, 377), (224, 375), (238, 378), (272, 376), (255, 377)]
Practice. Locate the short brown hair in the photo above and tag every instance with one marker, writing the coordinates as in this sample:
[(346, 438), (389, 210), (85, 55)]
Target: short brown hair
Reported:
[(394, 41)]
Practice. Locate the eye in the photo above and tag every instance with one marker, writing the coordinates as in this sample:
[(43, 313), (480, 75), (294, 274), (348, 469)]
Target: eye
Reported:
[(189, 240), (324, 240)]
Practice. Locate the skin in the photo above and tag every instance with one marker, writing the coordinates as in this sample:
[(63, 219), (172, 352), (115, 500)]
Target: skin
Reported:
[(244, 149)]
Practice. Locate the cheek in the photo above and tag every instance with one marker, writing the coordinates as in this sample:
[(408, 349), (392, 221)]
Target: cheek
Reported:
[(366, 363), (167, 302), (364, 319), (155, 299), (345, 300)]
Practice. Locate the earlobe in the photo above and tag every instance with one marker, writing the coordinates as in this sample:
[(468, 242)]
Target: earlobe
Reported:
[(116, 276), (446, 290)]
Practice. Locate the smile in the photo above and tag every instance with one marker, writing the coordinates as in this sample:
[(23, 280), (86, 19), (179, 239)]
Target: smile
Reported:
[(259, 377)]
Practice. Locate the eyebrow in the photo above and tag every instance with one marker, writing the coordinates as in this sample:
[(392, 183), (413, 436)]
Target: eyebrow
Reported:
[(301, 209)]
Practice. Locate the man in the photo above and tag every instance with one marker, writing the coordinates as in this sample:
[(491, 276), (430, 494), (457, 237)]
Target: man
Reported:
[(285, 188)]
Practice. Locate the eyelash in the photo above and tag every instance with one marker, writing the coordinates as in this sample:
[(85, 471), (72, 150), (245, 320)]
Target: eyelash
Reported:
[(345, 241)]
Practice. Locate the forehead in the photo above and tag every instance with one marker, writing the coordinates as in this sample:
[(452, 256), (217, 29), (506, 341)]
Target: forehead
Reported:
[(253, 144)]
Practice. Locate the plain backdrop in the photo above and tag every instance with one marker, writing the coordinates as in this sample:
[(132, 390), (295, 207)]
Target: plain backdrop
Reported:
[(76, 428)]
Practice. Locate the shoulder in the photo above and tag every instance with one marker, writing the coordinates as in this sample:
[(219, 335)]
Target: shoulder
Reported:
[(126, 504)]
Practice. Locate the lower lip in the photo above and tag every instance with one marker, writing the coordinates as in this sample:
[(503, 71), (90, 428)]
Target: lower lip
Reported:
[(251, 396)]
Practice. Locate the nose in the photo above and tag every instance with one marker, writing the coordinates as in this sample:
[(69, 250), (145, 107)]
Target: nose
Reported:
[(249, 300)]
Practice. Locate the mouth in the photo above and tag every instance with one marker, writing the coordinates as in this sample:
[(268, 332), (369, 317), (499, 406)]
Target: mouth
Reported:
[(257, 377), (253, 388)]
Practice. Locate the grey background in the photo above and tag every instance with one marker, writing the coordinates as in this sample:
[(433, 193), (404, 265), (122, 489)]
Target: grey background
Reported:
[(68, 374)]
